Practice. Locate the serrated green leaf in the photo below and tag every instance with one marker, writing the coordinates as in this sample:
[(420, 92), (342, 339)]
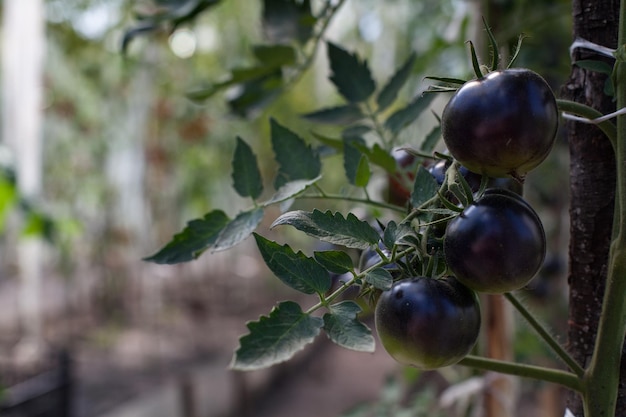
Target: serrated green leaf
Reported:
[(238, 229), (343, 328), (296, 159), (195, 238), (334, 228), (379, 156), (276, 338), (274, 56), (335, 261), (296, 270), (395, 233), (407, 115), (246, 174), (380, 278), (355, 164), (431, 140), (351, 76), (340, 115), (424, 187), (390, 91), (290, 190)]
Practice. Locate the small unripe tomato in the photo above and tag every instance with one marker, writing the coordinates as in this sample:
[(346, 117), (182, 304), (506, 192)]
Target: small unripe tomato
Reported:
[(400, 183), (503, 124), (497, 244), (428, 323)]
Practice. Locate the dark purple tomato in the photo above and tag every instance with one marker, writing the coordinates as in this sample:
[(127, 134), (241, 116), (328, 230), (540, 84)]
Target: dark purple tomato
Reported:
[(503, 124), (497, 244), (428, 323)]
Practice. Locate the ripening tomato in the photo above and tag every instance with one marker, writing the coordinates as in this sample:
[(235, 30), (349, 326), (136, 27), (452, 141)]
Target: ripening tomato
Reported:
[(503, 124), (428, 323), (497, 244)]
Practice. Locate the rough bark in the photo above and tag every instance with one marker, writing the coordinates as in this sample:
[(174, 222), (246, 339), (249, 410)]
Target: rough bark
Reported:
[(592, 187)]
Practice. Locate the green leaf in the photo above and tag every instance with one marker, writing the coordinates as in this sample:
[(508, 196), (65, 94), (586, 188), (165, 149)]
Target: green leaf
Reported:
[(355, 131), (341, 115), (296, 159), (195, 238), (350, 75), (380, 278), (363, 172), (296, 270), (407, 115), (425, 187), (395, 233), (256, 94), (290, 190), (8, 198), (379, 156), (274, 56), (286, 20), (431, 140), (343, 328), (335, 261), (276, 338), (238, 229), (390, 91), (246, 174), (334, 228), (355, 164), (333, 143)]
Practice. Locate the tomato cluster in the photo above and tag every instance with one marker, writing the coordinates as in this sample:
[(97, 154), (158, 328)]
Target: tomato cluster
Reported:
[(500, 126)]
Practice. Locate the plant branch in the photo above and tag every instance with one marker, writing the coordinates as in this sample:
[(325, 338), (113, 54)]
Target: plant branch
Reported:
[(556, 376), (545, 335), (366, 201)]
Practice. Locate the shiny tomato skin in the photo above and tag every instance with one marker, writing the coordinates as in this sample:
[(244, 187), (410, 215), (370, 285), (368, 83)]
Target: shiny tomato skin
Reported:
[(428, 323), (497, 244), (503, 124)]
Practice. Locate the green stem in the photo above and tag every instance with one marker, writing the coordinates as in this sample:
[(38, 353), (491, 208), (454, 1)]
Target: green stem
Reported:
[(545, 335), (378, 127), (366, 201), (326, 17), (327, 300), (607, 127), (603, 374), (556, 376)]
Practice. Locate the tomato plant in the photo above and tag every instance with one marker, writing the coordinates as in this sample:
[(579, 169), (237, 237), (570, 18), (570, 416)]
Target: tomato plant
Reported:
[(428, 323), (501, 124)]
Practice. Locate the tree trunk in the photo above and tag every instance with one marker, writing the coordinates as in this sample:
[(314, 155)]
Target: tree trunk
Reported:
[(592, 187)]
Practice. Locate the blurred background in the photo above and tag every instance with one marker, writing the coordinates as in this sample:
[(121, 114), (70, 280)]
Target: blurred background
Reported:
[(104, 158)]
